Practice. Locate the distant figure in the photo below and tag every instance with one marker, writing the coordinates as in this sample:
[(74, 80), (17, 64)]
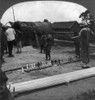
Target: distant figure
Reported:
[(10, 33), (42, 43), (18, 37), (19, 41), (77, 46), (84, 36), (48, 47), (4, 92)]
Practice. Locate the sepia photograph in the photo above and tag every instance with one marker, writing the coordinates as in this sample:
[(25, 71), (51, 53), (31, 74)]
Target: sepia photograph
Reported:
[(47, 49)]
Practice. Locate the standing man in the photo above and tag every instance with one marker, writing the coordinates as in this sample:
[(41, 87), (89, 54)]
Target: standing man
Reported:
[(10, 33), (19, 40), (48, 47), (42, 42), (77, 46), (84, 37), (18, 37)]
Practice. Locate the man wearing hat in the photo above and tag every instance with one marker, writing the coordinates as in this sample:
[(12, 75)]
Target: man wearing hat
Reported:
[(10, 33), (84, 37), (42, 42)]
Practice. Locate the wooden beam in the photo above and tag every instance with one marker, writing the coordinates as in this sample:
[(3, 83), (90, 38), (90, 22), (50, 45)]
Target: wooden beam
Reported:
[(52, 80), (0, 46)]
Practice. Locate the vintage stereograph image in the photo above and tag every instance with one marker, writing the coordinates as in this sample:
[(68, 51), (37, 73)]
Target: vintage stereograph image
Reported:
[(47, 50)]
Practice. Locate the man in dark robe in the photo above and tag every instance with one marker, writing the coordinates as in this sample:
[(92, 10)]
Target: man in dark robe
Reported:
[(48, 45), (84, 36), (18, 36)]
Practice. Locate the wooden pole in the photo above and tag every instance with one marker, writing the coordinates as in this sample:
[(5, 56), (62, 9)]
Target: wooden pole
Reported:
[(37, 40), (0, 46), (52, 80), (13, 14)]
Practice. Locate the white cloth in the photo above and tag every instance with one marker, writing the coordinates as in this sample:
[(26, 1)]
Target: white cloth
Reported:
[(10, 33)]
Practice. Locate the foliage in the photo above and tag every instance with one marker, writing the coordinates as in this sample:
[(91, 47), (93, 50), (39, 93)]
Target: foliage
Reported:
[(87, 18)]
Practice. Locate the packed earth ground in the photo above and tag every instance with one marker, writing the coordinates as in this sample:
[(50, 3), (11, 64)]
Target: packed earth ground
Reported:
[(79, 90)]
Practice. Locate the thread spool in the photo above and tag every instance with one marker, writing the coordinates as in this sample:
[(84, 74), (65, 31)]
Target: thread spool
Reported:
[(38, 64), (58, 61), (62, 61), (9, 85), (32, 66), (52, 63), (13, 90), (49, 63), (22, 69), (69, 59), (42, 65), (29, 66)]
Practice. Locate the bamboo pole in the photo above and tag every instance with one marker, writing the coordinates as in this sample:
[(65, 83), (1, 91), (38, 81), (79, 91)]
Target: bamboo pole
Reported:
[(0, 47), (37, 39), (52, 80), (13, 14)]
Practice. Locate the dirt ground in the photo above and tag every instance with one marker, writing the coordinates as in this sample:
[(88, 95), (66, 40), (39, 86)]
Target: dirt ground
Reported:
[(62, 92)]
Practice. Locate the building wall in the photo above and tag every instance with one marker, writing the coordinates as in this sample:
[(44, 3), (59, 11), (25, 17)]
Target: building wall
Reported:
[(75, 27), (65, 33)]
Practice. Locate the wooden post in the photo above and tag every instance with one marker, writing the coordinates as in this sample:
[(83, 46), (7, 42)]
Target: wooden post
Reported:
[(0, 47), (37, 40)]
